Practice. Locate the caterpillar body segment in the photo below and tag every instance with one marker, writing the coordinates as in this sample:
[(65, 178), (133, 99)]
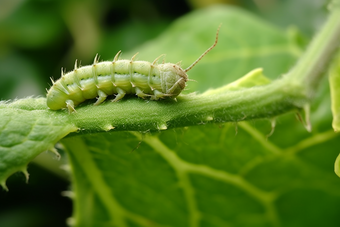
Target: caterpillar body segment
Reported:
[(119, 77)]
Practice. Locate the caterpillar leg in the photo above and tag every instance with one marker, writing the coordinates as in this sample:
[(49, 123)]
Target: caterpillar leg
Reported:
[(101, 97), (140, 93), (157, 95), (120, 95), (70, 106)]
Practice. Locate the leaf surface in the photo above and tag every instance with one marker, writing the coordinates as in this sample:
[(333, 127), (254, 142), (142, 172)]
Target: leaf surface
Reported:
[(220, 174), (207, 175)]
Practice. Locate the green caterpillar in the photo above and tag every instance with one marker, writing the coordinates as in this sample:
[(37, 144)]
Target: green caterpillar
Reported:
[(119, 77)]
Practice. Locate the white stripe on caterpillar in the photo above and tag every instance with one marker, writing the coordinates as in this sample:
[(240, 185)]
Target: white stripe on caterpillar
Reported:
[(119, 77)]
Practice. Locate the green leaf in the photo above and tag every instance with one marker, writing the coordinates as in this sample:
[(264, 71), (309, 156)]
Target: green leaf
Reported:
[(207, 175), (204, 176), (337, 166), (27, 129), (334, 81)]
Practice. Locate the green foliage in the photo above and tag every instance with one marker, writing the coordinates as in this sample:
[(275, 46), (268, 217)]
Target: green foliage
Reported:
[(334, 80), (26, 131), (222, 174)]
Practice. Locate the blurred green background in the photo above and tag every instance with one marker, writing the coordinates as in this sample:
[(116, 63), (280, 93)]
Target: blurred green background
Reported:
[(39, 37)]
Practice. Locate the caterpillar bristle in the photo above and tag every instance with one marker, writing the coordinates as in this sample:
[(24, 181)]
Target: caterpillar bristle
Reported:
[(96, 59), (156, 60), (75, 64), (133, 57), (117, 56)]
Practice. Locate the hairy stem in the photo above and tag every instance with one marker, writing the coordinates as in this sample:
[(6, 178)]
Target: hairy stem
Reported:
[(138, 115)]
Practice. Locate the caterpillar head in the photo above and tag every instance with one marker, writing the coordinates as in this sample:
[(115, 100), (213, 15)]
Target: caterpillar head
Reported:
[(174, 79)]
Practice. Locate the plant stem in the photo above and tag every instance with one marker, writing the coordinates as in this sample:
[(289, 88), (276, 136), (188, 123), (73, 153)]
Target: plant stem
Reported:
[(291, 92), (313, 64), (138, 115)]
